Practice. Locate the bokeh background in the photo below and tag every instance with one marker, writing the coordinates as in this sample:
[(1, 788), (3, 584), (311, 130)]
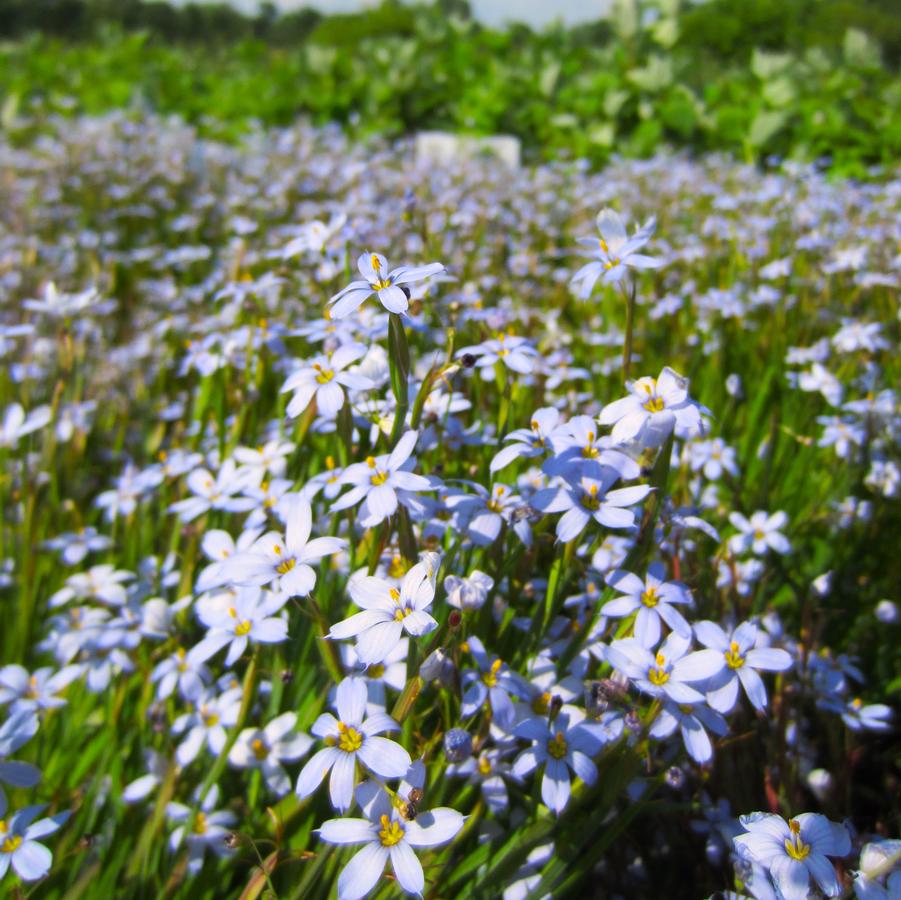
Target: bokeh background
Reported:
[(805, 79)]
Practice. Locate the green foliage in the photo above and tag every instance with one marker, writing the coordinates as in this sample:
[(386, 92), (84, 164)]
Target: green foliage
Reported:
[(753, 79)]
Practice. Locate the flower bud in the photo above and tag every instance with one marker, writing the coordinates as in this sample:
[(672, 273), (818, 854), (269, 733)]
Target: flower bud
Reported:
[(457, 745)]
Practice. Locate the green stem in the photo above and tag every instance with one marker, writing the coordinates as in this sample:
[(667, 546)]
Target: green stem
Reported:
[(627, 343), (399, 362)]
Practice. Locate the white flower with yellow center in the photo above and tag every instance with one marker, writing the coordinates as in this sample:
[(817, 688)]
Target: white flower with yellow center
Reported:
[(653, 408), (759, 533), (388, 837), (19, 846), (350, 739), (651, 600), (388, 612), (236, 619), (324, 377), (378, 280), (742, 658), (562, 745), (794, 851), (283, 559), (381, 482), (267, 748), (613, 251), (670, 671)]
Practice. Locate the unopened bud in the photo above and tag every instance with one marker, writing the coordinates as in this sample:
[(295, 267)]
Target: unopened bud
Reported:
[(457, 745), (437, 666), (674, 777)]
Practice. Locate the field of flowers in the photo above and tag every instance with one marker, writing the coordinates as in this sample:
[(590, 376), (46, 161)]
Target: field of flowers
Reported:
[(370, 527)]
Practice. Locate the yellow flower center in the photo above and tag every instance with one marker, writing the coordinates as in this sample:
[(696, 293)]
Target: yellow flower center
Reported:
[(589, 451), (11, 844), (210, 719), (349, 739), (401, 613), (200, 825), (32, 691), (654, 405), (490, 677), (285, 565), (650, 598), (794, 846), (241, 628), (325, 375), (590, 500), (260, 750), (381, 284), (658, 675), (541, 703), (391, 833), (734, 659), (556, 746), (484, 765), (375, 671)]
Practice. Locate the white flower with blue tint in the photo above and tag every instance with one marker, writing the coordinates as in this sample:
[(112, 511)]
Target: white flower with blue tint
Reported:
[(207, 829), (651, 600), (742, 658), (760, 533), (589, 499), (388, 612), (349, 739), (19, 836), (29, 692), (670, 671), (378, 480), (793, 852), (388, 837), (493, 681), (561, 746), (516, 353), (379, 281), (527, 443), (244, 617), (614, 252), (693, 721), (860, 716), (283, 560), (267, 748), (324, 377), (653, 408)]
